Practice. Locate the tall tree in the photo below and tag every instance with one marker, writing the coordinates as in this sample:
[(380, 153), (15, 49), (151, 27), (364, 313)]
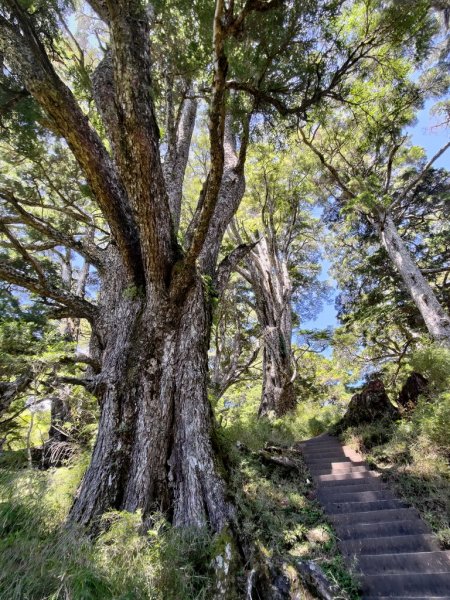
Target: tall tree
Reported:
[(235, 339), (377, 181), (151, 322), (283, 265)]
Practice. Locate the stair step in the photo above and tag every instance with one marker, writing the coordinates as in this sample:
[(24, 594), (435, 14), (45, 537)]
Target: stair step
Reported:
[(346, 477), (334, 451), (327, 496), (405, 597), (396, 556), (331, 457), (327, 461), (419, 584), (342, 468), (386, 545), (334, 448), (329, 443), (335, 508), (324, 450), (411, 562), (320, 439), (375, 516), (372, 485), (349, 484), (353, 531)]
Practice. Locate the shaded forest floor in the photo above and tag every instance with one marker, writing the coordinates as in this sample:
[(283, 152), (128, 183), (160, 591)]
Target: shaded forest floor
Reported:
[(278, 523), (278, 520)]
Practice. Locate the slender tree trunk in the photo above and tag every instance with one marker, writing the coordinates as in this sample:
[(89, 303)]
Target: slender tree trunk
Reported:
[(436, 319), (60, 414), (154, 449)]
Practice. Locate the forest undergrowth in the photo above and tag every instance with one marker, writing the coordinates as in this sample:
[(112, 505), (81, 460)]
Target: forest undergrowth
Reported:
[(413, 452), (277, 522)]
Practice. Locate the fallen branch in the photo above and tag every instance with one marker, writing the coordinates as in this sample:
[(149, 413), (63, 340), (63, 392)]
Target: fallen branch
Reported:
[(279, 461), (316, 581)]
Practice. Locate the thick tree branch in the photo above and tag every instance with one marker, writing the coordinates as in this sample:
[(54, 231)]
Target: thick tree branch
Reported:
[(24, 253), (81, 308), (228, 265), (27, 58), (390, 161), (216, 126), (236, 24), (83, 359), (231, 192), (436, 270), (89, 384), (136, 140), (87, 249), (313, 94), (422, 174), (333, 171), (100, 7), (11, 389)]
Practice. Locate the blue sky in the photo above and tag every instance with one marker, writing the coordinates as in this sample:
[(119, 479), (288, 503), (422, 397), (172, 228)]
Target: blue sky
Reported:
[(422, 134)]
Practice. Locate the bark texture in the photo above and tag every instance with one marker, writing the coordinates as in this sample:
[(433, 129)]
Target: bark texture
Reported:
[(154, 449), (151, 323), (269, 277), (437, 321), (151, 327)]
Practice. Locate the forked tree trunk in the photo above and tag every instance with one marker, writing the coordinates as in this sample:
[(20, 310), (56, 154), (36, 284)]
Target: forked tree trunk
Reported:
[(437, 321), (150, 331), (154, 448)]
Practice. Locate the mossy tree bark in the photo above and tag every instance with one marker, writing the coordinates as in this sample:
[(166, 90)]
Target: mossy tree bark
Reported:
[(151, 327)]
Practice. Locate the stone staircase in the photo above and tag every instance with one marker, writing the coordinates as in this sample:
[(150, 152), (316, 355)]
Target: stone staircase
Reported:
[(383, 540)]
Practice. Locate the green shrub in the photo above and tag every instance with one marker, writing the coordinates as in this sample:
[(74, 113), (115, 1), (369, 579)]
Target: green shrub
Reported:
[(42, 559), (433, 361), (433, 419), (237, 414)]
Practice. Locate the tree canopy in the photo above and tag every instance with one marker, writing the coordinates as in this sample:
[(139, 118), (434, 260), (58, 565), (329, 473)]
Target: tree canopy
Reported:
[(176, 178)]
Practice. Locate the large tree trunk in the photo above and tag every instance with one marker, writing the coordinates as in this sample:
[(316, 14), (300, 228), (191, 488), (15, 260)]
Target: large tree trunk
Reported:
[(436, 319), (154, 449), (272, 287), (150, 331)]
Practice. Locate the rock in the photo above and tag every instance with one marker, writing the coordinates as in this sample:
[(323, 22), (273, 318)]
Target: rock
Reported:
[(370, 405), (415, 385), (226, 563)]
